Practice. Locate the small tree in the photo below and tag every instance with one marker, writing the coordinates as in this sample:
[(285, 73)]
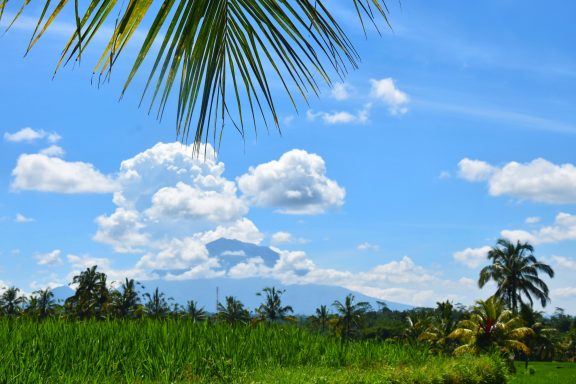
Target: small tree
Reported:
[(233, 312), (350, 316), (194, 312), (11, 302), (272, 309), (156, 305), (92, 296)]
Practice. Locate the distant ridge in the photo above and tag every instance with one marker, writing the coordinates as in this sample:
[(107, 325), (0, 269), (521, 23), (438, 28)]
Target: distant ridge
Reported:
[(303, 298)]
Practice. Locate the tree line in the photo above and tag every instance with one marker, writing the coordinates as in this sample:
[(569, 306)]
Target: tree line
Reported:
[(505, 322)]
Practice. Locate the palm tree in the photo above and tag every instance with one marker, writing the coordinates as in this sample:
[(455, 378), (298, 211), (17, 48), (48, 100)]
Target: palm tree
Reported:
[(11, 302), (442, 323), (271, 309), (216, 50), (92, 295), (491, 327), (233, 312), (194, 312), (515, 270), (350, 316), (157, 304), (42, 304), (321, 319), (127, 299)]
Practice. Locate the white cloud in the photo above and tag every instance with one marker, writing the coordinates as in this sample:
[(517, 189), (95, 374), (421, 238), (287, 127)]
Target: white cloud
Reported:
[(53, 151), (50, 174), (472, 257), (341, 117), (564, 262), (295, 184), (216, 202), (286, 238), (386, 91), (20, 218), (30, 135), (475, 170), (340, 91), (538, 180), (532, 220), (122, 230), (563, 292), (368, 247), (50, 258), (563, 229)]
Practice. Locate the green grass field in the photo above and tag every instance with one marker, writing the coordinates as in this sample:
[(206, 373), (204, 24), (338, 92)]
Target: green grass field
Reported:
[(544, 373), (178, 351)]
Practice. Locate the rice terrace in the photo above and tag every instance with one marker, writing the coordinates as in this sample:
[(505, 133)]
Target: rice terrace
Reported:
[(287, 191)]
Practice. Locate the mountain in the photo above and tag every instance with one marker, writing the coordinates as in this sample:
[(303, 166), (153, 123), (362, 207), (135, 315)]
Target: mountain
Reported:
[(303, 298)]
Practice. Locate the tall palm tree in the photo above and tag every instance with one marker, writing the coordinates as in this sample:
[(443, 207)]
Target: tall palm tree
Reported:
[(42, 304), (321, 319), (127, 299), (194, 312), (92, 295), (515, 270), (222, 53), (157, 304), (491, 327), (11, 302), (233, 312), (350, 316), (272, 309)]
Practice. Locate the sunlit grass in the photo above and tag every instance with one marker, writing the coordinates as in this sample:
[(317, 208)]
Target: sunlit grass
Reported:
[(179, 351)]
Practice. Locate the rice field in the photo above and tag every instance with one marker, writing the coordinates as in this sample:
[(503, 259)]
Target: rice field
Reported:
[(153, 351)]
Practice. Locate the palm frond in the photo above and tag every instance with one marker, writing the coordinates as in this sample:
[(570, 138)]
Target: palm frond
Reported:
[(216, 56)]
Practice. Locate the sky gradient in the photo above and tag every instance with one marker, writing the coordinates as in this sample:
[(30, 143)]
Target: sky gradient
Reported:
[(457, 129)]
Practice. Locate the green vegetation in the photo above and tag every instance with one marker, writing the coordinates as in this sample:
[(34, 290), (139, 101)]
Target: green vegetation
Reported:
[(544, 373), (110, 335), (182, 351)]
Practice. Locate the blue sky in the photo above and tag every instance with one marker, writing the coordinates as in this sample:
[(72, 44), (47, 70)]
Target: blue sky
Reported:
[(457, 129)]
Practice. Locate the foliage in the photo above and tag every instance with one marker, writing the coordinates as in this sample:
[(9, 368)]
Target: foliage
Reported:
[(91, 296), (272, 309), (11, 302), (442, 324), (194, 312), (152, 351), (233, 312), (220, 52), (350, 316), (491, 327), (515, 270), (157, 304)]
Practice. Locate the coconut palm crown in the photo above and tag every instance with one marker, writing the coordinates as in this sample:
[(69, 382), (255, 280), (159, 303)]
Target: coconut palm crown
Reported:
[(491, 327), (215, 55), (515, 271)]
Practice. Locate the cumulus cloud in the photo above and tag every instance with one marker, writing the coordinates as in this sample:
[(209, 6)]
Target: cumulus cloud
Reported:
[(50, 258), (122, 230), (563, 292), (30, 135), (386, 91), (341, 117), (472, 257), (294, 184), (538, 180), (53, 151), (475, 170), (340, 91), (286, 238), (532, 220), (564, 262), (39, 172), (368, 247), (563, 229), (21, 219)]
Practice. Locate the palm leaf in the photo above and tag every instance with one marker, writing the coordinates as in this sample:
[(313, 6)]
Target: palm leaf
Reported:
[(207, 46)]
